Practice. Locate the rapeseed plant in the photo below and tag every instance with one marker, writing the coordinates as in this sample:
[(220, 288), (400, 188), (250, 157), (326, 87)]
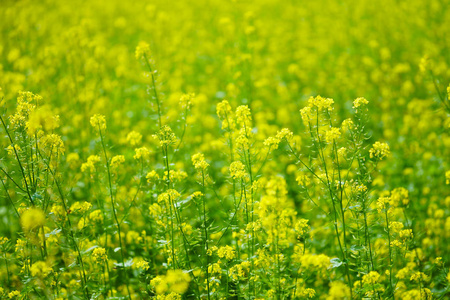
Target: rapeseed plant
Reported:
[(183, 151)]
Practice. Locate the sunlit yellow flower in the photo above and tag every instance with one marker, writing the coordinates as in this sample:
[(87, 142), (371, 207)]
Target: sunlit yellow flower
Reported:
[(32, 218), (98, 122)]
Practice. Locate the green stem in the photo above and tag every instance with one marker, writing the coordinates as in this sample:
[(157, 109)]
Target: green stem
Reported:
[(390, 254), (154, 89), (206, 234), (114, 211)]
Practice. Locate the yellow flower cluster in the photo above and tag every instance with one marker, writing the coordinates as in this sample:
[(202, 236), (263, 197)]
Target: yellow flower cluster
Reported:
[(142, 49), (117, 160), (237, 170), (165, 136), (98, 122), (90, 163), (40, 269), (99, 254), (134, 138), (175, 281), (379, 150), (371, 278), (321, 103), (226, 252), (32, 219), (332, 134), (359, 102), (222, 173), (199, 162), (141, 153)]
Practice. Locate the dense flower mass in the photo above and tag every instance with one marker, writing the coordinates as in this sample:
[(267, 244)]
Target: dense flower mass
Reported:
[(379, 150), (219, 150)]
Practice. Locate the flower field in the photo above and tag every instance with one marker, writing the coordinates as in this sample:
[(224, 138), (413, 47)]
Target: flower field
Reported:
[(225, 149)]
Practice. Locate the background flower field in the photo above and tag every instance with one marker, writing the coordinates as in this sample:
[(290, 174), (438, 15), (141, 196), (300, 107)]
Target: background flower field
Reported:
[(225, 149)]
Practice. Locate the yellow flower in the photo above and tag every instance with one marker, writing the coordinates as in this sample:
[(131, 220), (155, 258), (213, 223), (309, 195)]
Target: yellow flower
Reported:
[(187, 228), (396, 226), (134, 138), (142, 152), (98, 122), (242, 140), (99, 254), (96, 216), (175, 175), (303, 180), (284, 134), (13, 294), (198, 160), (237, 170), (117, 161), (400, 196), (371, 278), (133, 237), (11, 151), (72, 159), (306, 115), (142, 49), (243, 115), (152, 176), (358, 102), (54, 143), (319, 262), (90, 164), (142, 264), (82, 223), (342, 152), (321, 103), (383, 203), (338, 290), (3, 240), (332, 134), (169, 196), (58, 211), (271, 142), (302, 227), (185, 100), (419, 276), (166, 136), (308, 293), (32, 218), (424, 63), (379, 150), (196, 195), (347, 124), (40, 269), (175, 281), (224, 112), (80, 207), (155, 210), (406, 234), (226, 252), (223, 109), (42, 118)]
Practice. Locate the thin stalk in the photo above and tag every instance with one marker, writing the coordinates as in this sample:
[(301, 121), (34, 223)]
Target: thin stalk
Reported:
[(252, 248), (18, 160), (205, 233), (9, 198), (154, 89), (71, 234), (390, 253), (114, 210)]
